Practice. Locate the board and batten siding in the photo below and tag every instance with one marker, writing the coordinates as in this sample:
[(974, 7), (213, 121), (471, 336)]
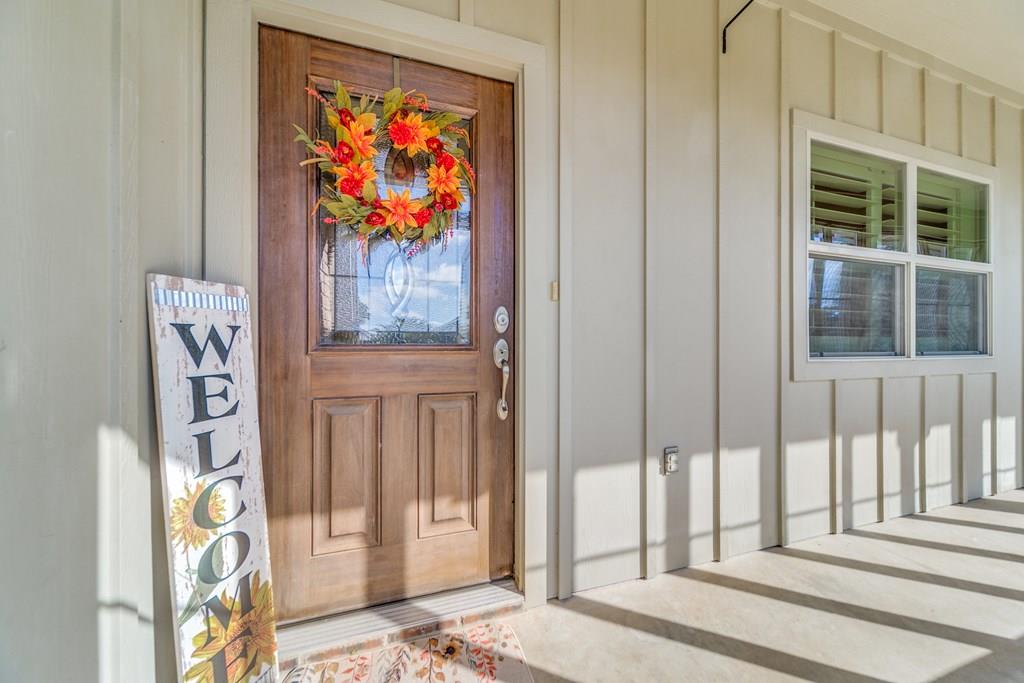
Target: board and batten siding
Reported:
[(849, 452), (764, 459)]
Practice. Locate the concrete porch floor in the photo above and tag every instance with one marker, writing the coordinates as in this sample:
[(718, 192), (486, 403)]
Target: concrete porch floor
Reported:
[(935, 596)]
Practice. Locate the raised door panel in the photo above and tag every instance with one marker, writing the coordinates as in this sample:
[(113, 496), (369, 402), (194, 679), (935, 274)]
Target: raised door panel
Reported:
[(346, 465), (447, 464)]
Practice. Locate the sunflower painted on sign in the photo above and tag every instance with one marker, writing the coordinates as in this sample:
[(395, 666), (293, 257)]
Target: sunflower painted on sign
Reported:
[(184, 530), (236, 651), (350, 191)]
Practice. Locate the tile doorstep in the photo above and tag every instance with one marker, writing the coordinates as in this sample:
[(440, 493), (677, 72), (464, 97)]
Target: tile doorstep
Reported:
[(396, 622)]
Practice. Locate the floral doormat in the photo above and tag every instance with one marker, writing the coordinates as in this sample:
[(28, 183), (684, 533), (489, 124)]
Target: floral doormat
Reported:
[(486, 652)]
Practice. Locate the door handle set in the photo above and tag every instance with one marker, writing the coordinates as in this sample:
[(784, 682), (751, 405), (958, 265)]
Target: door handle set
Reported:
[(500, 353), (502, 403)]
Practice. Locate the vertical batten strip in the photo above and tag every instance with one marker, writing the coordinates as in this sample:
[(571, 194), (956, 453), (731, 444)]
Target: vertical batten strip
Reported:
[(1018, 416), (652, 491), (989, 487), (784, 255), (961, 495), (926, 128), (880, 452), (994, 137), (835, 470), (836, 39), (960, 119), (922, 481), (720, 542), (719, 551), (926, 132), (565, 527), (883, 76)]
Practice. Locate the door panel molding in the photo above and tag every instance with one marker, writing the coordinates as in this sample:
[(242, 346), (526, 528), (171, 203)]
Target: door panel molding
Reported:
[(346, 474), (447, 463)]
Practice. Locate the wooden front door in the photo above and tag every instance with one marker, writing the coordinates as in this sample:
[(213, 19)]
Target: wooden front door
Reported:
[(388, 470)]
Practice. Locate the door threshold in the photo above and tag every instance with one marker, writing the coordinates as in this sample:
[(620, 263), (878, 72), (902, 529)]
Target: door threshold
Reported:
[(393, 622)]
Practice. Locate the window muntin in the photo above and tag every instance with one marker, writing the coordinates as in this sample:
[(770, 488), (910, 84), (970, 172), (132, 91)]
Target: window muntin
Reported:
[(854, 308), (952, 217), (856, 199), (951, 312)]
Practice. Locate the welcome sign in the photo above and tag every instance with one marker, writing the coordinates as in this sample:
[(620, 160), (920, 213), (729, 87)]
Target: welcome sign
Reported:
[(201, 342)]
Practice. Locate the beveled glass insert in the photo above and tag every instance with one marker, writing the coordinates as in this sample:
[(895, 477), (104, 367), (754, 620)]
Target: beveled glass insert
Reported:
[(951, 313), (952, 217), (384, 297), (853, 308), (856, 199)]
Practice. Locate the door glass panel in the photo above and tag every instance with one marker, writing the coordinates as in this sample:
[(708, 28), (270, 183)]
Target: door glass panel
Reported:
[(385, 296)]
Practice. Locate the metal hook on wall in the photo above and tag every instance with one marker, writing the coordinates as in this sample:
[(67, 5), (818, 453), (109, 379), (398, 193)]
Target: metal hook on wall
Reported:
[(734, 18)]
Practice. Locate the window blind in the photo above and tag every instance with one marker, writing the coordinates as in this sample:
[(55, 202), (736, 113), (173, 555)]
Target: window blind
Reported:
[(855, 199)]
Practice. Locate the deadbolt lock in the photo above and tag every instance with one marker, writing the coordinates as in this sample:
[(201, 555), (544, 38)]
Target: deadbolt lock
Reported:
[(502, 319)]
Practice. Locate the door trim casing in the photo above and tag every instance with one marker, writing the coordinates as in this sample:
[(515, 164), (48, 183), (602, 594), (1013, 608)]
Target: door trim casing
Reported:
[(230, 207)]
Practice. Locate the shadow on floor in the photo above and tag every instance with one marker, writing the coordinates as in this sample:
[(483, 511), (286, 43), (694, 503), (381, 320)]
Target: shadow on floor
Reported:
[(901, 573), (937, 545), (727, 646), (997, 504), (846, 609), (966, 523)]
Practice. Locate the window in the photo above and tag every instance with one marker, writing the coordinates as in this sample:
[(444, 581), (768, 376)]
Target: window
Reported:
[(856, 199), (950, 312), (854, 307), (896, 244)]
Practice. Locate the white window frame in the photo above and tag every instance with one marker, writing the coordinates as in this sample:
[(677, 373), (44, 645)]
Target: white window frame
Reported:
[(808, 127)]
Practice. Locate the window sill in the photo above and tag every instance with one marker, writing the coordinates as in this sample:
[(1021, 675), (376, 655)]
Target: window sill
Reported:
[(819, 369)]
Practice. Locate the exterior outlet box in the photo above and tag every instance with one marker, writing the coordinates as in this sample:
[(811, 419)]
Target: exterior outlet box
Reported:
[(670, 460)]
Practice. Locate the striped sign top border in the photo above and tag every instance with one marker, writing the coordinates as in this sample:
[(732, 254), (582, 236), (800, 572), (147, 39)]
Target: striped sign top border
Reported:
[(180, 298)]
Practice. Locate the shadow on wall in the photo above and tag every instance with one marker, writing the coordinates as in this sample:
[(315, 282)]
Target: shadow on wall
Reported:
[(861, 478), (128, 623)]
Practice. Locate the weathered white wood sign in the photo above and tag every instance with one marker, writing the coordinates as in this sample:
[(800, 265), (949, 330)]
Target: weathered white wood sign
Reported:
[(201, 342)]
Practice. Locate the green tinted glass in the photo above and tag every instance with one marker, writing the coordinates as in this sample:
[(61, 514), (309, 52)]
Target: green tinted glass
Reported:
[(952, 217), (856, 199)]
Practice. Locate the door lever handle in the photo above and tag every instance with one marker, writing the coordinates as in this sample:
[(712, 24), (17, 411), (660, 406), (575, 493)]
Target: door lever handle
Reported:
[(502, 403), (500, 355)]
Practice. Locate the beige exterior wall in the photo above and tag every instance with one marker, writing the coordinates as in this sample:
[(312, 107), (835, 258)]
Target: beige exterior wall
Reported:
[(99, 132), (676, 200)]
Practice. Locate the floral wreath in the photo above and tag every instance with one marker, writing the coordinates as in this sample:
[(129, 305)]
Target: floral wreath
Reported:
[(350, 192)]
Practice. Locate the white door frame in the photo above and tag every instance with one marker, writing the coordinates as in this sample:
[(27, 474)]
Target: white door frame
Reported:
[(231, 192)]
